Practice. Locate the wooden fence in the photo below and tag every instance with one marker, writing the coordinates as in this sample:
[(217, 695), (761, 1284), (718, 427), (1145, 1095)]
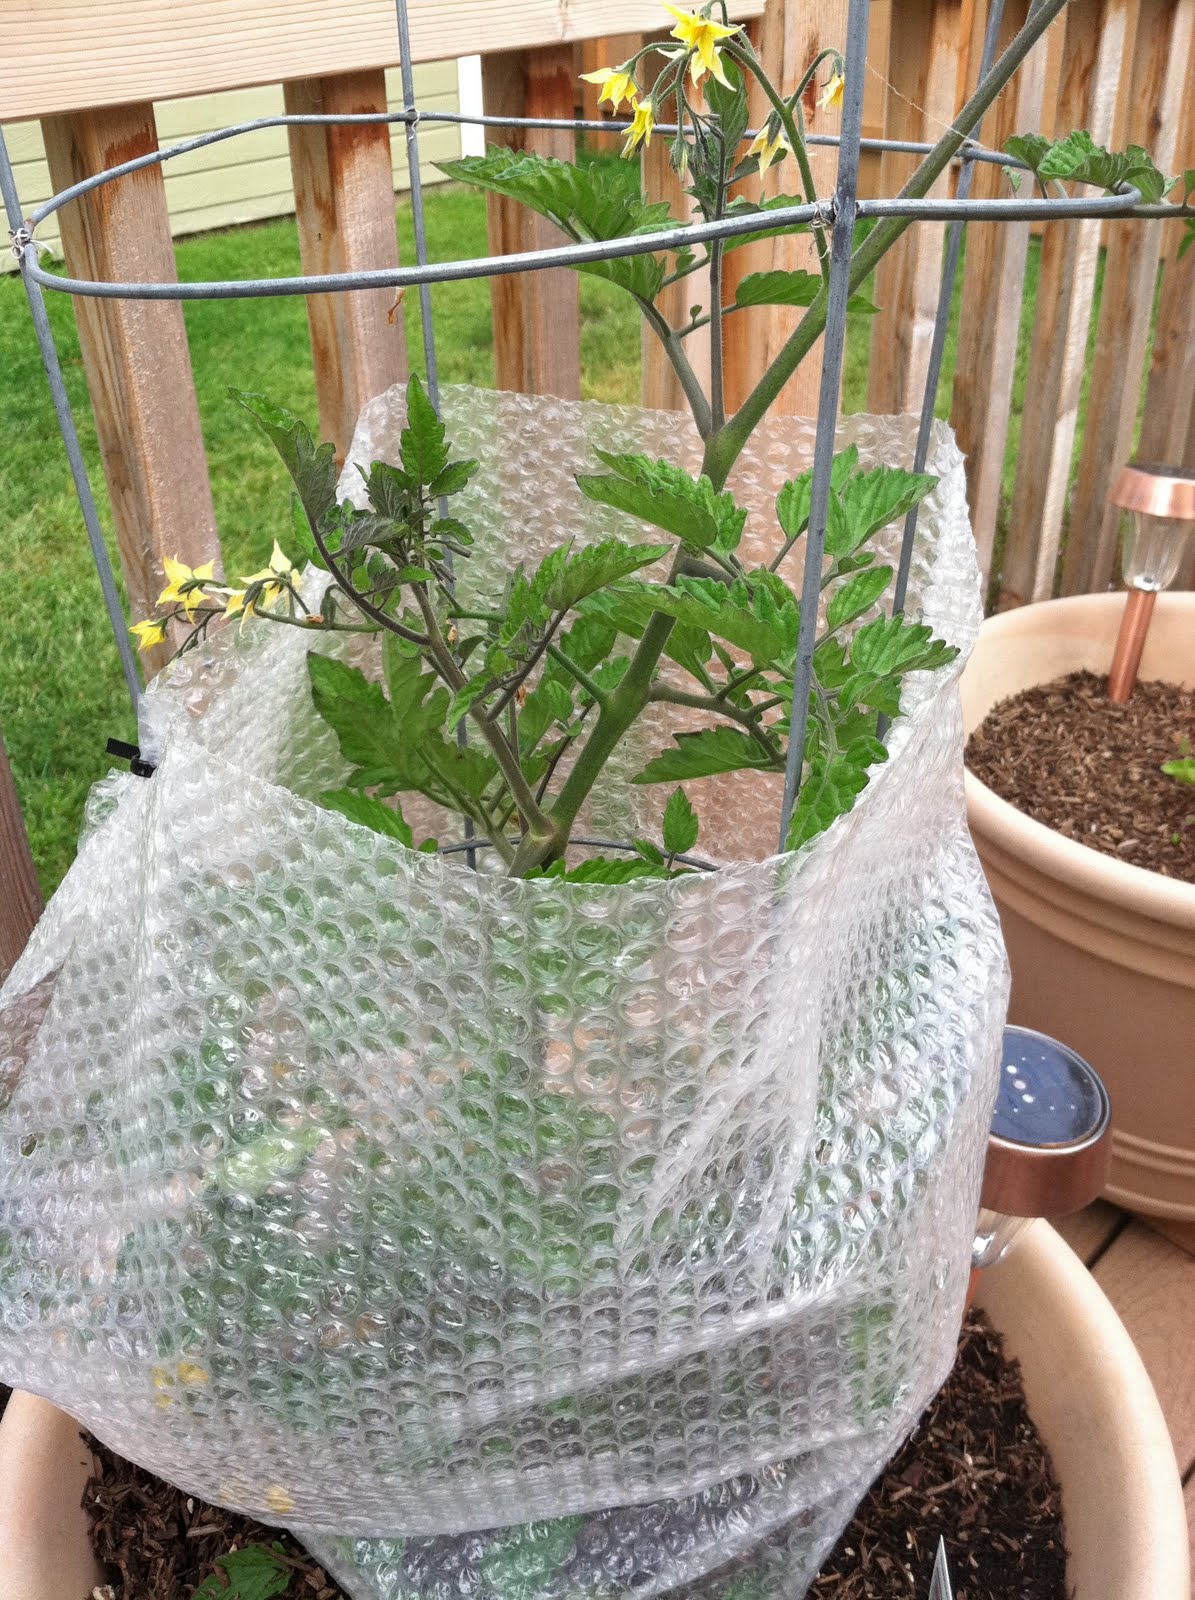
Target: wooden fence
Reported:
[(1122, 68)]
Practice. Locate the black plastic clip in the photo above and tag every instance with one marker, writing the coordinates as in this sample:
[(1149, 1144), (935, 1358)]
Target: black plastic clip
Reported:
[(132, 754)]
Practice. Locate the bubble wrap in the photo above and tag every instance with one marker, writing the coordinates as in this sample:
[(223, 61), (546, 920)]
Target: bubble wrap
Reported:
[(507, 1239)]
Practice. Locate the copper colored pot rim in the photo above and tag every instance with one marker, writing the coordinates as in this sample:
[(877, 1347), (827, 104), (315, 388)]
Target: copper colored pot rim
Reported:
[(1158, 491)]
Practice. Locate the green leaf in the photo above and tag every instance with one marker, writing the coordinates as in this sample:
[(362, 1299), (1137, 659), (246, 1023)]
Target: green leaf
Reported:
[(251, 1573), (312, 467), (798, 288), (527, 1555), (1182, 769), (792, 503), (872, 500), (831, 787), (369, 812), (680, 824), (745, 618), (585, 202), (1078, 159), (741, 206), (894, 645), (603, 869), (453, 478), (422, 443), (592, 568), (857, 596), (701, 754), (354, 708), (464, 698), (668, 498)]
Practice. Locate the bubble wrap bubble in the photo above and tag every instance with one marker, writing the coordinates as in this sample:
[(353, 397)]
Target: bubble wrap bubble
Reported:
[(399, 1203)]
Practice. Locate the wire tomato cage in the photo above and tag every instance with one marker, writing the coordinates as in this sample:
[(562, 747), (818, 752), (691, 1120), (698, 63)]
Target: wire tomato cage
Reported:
[(837, 215)]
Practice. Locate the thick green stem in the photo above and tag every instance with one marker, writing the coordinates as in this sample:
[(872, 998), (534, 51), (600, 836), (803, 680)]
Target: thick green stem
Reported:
[(689, 381)]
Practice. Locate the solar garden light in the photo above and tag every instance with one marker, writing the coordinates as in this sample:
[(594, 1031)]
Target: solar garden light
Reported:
[(1157, 506), (1049, 1148)]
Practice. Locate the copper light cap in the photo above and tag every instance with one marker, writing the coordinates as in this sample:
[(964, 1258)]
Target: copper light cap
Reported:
[(1050, 1146), (1156, 490)]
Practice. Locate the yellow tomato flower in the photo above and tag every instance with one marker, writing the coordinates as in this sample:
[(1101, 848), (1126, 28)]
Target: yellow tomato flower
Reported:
[(279, 1500), (184, 586), (639, 131), (148, 634), (701, 36), (279, 567), (767, 149), (617, 85), (191, 1372), (833, 92), (235, 603)]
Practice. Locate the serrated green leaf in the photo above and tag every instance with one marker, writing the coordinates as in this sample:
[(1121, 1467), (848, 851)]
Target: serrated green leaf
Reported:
[(792, 503), (369, 812), (421, 444), (733, 614), (1182, 769), (669, 498), (742, 206), (453, 478), (799, 288), (856, 596), (701, 754), (894, 645), (680, 824), (251, 1573), (832, 785), (585, 202), (603, 869), (872, 500), (312, 467), (1077, 158), (584, 572), (464, 698)]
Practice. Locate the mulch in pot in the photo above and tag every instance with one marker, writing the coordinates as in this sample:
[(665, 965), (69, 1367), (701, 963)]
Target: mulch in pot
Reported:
[(1066, 756), (975, 1471)]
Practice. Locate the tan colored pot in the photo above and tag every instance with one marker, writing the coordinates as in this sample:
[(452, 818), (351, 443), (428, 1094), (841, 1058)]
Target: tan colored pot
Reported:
[(1103, 953), (1090, 1396)]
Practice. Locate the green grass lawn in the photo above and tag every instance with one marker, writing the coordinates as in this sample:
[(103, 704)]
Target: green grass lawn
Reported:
[(61, 692)]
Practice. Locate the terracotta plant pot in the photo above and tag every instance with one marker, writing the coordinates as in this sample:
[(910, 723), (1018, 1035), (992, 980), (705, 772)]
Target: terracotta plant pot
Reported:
[(1103, 953), (1122, 1500)]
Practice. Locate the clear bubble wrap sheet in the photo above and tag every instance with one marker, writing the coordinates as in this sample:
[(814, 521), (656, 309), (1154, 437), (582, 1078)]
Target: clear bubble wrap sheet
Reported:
[(508, 1239)]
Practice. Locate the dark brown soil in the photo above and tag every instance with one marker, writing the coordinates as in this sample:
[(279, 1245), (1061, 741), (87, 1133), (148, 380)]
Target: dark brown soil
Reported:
[(975, 1472), (1066, 756)]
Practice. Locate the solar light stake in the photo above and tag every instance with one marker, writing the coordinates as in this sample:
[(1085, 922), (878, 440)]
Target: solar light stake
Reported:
[(1158, 515)]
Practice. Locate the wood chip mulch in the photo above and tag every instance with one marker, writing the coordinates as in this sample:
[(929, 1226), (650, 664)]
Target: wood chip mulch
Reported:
[(1066, 756), (975, 1471)]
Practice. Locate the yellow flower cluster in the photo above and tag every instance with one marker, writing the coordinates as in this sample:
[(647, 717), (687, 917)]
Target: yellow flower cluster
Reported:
[(189, 587)]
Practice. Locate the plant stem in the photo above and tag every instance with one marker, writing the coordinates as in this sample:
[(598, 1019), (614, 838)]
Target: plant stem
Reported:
[(675, 351), (598, 696), (664, 693), (717, 385)]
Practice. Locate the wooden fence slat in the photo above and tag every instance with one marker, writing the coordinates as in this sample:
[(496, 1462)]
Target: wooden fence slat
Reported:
[(993, 286), (1096, 33), (789, 37), (20, 897), (344, 207), (536, 314), (1160, 77), (927, 62), (134, 352), (1168, 421)]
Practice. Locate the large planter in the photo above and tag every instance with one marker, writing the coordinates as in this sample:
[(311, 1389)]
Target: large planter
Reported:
[(1103, 953), (1088, 1393)]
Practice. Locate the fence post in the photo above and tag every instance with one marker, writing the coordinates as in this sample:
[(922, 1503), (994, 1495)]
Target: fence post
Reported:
[(993, 287), (789, 37), (134, 351), (344, 207), (1160, 78), (927, 64), (537, 320), (21, 904), (1096, 34)]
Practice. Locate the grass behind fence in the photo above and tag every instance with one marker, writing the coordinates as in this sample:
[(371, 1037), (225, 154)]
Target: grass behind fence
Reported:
[(61, 693)]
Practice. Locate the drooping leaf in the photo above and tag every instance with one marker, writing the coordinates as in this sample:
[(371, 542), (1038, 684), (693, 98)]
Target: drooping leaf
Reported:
[(369, 812), (832, 785), (251, 1573), (701, 754), (797, 288), (312, 467), (856, 596), (584, 572), (680, 824)]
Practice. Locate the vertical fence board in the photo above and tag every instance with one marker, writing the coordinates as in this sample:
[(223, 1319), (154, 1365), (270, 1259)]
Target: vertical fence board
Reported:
[(536, 314), (134, 352), (1095, 48), (926, 74), (20, 904), (659, 386), (789, 37), (344, 207), (1160, 79), (993, 286), (1168, 422)]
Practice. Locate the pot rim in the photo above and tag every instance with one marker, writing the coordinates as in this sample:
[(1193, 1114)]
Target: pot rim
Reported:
[(1150, 894)]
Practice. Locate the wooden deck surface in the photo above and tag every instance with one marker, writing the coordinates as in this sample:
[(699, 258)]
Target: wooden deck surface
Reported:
[(1151, 1282)]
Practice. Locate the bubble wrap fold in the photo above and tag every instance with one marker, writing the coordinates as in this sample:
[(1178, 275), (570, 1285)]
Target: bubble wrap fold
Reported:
[(399, 1203)]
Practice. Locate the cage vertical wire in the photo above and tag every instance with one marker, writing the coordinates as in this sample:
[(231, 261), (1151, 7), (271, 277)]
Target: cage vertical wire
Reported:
[(839, 215)]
